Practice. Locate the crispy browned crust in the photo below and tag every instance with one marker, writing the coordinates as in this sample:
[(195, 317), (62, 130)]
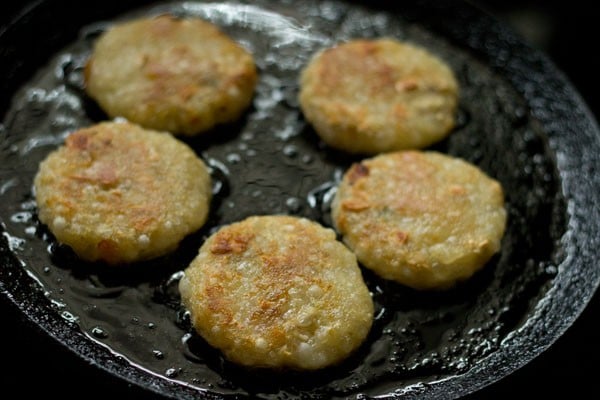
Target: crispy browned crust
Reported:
[(424, 219), (118, 193), (371, 96), (278, 291), (179, 75)]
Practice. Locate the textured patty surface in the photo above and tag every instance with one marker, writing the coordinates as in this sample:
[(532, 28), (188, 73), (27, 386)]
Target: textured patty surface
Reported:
[(278, 292), (119, 193), (179, 75), (372, 96), (423, 219)]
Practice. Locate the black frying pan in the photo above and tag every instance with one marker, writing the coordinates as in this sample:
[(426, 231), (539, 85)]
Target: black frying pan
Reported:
[(519, 120)]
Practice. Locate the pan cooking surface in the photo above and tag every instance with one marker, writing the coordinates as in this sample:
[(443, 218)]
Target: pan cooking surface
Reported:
[(271, 162)]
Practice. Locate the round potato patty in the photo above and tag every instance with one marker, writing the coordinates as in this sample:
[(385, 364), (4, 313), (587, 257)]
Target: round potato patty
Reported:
[(178, 75), (373, 96), (278, 292), (423, 219), (118, 193)]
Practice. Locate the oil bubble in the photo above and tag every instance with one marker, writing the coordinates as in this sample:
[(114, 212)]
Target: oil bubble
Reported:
[(99, 332)]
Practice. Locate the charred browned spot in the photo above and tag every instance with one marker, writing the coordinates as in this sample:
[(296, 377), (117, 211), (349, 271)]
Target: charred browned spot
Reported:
[(186, 92), (181, 50), (106, 175), (107, 142), (66, 203), (406, 85), (278, 268), (328, 80), (458, 190), (268, 312), (160, 89), (369, 230), (215, 300), (357, 171), (383, 78), (355, 205), (402, 237), (226, 242), (277, 336), (78, 141), (108, 250), (156, 70), (142, 217)]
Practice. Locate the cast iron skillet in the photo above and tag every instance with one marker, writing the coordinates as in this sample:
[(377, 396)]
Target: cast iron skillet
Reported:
[(519, 120)]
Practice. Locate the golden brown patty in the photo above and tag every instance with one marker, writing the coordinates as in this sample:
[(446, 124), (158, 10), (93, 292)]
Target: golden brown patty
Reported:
[(178, 75), (278, 291), (423, 219), (372, 96), (118, 193)]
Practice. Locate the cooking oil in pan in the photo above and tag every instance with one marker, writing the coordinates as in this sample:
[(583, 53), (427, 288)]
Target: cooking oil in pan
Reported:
[(272, 162)]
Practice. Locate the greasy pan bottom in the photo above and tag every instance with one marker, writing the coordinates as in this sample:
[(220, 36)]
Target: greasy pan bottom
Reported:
[(518, 120)]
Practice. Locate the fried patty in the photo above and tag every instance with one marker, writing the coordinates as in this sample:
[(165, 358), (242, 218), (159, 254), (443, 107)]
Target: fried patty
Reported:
[(118, 193), (278, 292), (373, 96), (178, 75), (423, 219)]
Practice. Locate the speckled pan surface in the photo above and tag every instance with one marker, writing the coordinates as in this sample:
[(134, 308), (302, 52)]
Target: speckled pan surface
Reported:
[(519, 120)]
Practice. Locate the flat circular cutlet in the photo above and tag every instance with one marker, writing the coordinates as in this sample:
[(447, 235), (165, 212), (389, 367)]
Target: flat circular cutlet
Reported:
[(423, 219), (118, 193), (278, 292), (179, 75), (373, 96)]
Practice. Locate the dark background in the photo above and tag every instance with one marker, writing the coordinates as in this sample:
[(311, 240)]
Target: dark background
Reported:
[(32, 363)]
